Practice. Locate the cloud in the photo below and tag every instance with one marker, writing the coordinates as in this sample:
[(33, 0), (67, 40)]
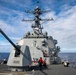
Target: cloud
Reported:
[(63, 28), (12, 26), (16, 4), (6, 27), (5, 48), (14, 23)]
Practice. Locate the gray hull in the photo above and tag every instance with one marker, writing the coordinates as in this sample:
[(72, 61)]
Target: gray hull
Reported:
[(33, 46)]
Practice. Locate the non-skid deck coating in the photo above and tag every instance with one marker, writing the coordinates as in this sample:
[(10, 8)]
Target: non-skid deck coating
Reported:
[(51, 70)]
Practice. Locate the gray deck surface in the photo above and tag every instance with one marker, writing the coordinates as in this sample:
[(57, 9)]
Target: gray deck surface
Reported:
[(52, 70)]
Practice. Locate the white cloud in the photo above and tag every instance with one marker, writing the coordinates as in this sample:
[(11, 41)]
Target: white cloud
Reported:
[(15, 38), (6, 27), (13, 27), (5, 48), (13, 24), (18, 2), (64, 28)]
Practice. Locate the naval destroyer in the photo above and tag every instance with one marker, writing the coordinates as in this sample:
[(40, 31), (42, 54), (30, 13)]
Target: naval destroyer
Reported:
[(30, 48), (33, 45)]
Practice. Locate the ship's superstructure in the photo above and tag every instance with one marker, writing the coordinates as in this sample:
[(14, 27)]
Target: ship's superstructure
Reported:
[(34, 45)]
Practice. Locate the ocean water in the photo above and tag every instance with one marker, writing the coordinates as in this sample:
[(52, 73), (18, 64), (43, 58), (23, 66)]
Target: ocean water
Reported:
[(71, 57), (4, 56)]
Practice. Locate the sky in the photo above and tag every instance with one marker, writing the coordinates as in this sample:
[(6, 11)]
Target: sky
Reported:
[(63, 28)]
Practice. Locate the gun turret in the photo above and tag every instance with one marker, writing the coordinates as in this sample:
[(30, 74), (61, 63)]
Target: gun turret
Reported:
[(16, 48)]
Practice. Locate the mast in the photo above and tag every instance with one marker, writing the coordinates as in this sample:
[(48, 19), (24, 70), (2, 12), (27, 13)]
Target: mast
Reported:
[(37, 27)]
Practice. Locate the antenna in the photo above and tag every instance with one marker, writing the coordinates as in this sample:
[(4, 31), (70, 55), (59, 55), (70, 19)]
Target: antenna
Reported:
[(37, 12), (37, 2)]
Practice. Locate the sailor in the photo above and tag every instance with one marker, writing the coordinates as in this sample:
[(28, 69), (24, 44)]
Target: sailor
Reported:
[(40, 63), (44, 63)]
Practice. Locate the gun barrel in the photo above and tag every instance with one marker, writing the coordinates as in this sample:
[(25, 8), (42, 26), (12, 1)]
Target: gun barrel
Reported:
[(9, 40)]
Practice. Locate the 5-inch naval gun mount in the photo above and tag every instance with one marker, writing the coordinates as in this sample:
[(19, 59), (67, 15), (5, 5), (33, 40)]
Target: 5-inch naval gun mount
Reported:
[(33, 45)]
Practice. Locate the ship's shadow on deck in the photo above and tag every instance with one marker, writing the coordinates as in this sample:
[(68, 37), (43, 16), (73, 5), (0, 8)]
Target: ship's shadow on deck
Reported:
[(44, 72), (51, 70), (38, 68)]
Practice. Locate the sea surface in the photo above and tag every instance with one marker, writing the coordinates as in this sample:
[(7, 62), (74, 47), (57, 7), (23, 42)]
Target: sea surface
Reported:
[(71, 57)]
